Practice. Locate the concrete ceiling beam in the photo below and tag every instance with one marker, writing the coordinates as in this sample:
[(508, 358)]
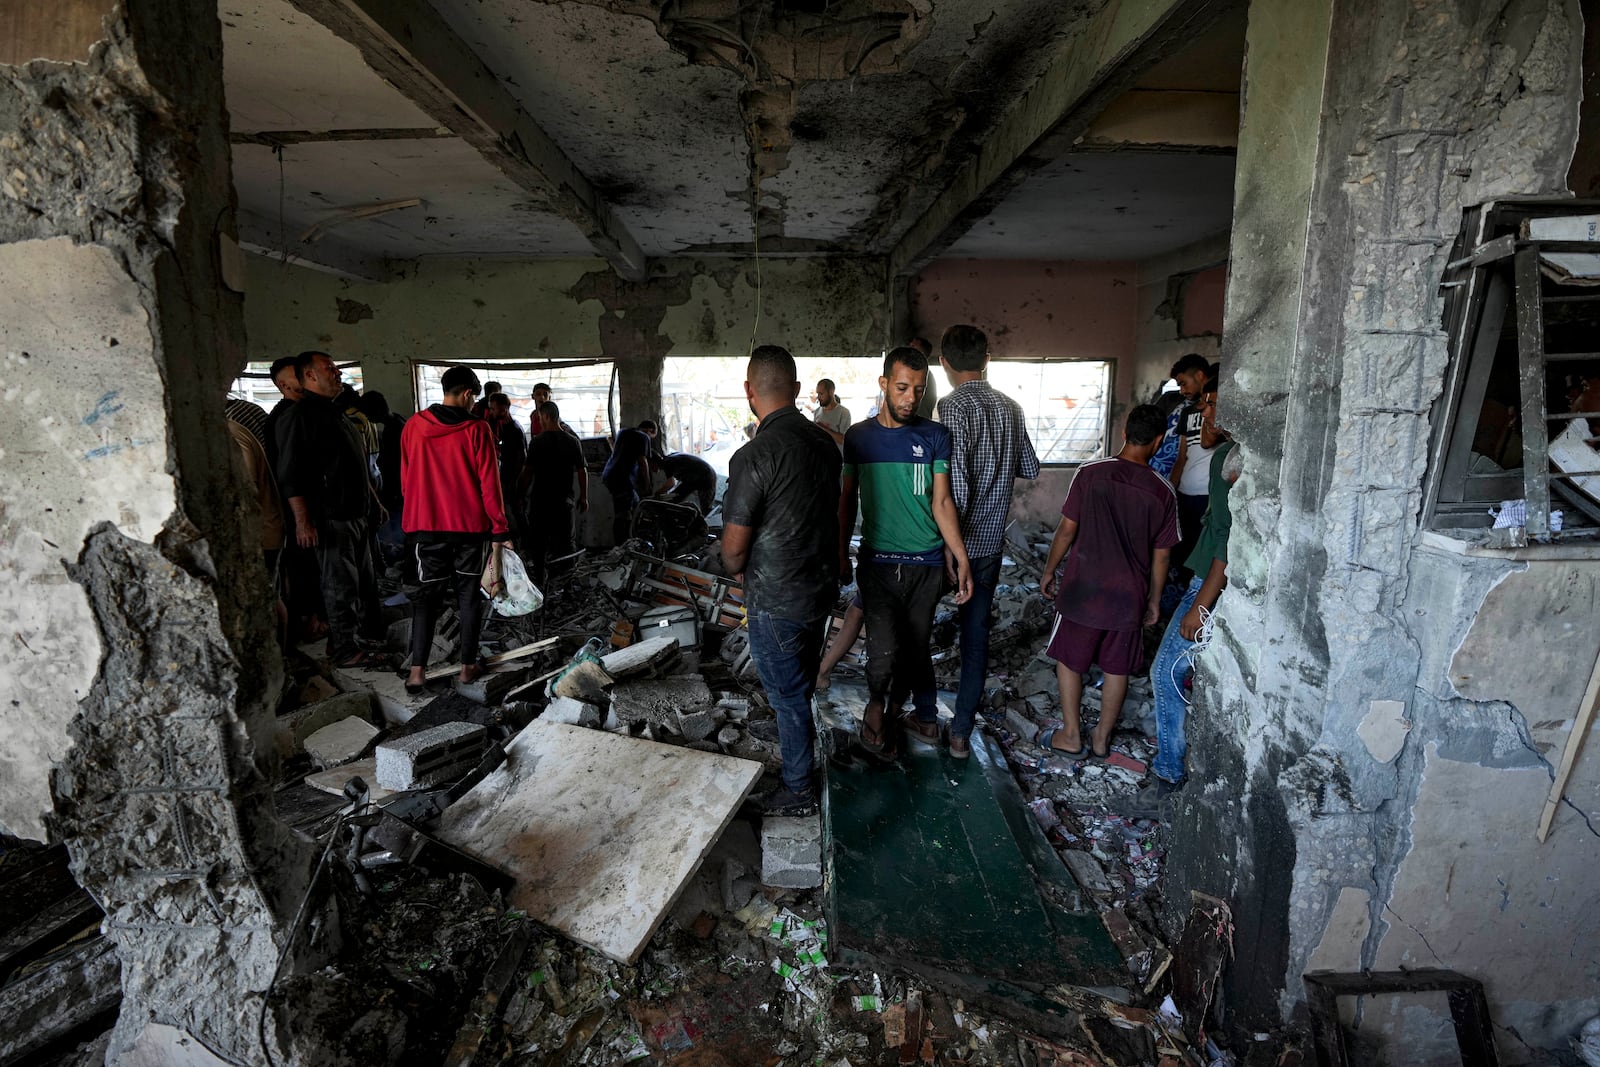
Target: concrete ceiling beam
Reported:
[(277, 138), (1096, 66), (412, 47), (260, 235), (1167, 121)]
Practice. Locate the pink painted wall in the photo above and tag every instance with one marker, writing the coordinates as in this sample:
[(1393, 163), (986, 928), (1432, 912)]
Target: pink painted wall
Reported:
[(1202, 303), (1033, 308)]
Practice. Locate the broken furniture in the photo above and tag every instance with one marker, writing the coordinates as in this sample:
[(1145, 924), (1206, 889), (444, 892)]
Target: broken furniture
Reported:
[(1469, 1009), (601, 831)]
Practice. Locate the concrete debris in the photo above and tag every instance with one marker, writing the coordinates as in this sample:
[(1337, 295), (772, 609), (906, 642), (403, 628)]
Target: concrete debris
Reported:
[(696, 725), (572, 712), (748, 943), (651, 658), (1587, 1043), (791, 852), (160, 1045), (585, 681), (334, 779), (55, 1000), (431, 757), (302, 722), (659, 701), (623, 824), (340, 742)]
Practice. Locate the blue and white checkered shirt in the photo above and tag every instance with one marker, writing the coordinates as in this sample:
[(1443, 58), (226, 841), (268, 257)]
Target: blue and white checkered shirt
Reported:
[(990, 450)]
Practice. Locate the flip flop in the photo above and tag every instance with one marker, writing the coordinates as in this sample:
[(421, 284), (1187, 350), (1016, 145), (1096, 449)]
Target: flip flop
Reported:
[(1046, 740), (913, 727), (878, 744)]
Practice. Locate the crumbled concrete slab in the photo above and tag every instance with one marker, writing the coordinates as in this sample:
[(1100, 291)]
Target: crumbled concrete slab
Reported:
[(160, 1045), (333, 779), (791, 852), (388, 689), (622, 826), (571, 712), (1087, 870), (729, 734), (430, 757), (340, 742), (1384, 729), (650, 658), (659, 700), (295, 727), (696, 725)]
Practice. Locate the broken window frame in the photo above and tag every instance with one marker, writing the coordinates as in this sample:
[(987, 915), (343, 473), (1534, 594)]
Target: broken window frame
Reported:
[(259, 372), (1480, 280), (537, 367), (1107, 400)]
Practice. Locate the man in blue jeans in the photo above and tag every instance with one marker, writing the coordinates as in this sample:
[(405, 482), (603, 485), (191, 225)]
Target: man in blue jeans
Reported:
[(990, 449), (781, 529), (1175, 658)]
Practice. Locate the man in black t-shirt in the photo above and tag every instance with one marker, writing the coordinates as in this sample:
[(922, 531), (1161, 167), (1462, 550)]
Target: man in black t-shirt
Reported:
[(554, 460), (690, 478)]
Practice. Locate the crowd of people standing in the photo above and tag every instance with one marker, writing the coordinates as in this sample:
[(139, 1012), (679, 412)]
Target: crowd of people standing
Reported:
[(933, 498), (340, 479)]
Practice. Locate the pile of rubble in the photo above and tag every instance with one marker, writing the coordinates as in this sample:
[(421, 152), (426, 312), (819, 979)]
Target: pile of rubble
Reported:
[(441, 964)]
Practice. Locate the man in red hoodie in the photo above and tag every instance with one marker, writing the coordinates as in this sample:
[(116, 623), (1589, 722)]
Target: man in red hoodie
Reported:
[(454, 512)]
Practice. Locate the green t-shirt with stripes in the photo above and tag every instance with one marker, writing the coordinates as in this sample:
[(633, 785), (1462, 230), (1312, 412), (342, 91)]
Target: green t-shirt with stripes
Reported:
[(894, 469)]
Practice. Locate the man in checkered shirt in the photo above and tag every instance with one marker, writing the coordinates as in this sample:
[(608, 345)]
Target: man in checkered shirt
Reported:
[(990, 449)]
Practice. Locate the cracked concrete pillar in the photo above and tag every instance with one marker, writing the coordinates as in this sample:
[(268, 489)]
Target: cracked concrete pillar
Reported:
[(138, 684), (1368, 126)]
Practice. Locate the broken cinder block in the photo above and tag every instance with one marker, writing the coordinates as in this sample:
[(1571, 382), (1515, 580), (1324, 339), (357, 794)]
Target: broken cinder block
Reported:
[(696, 725), (340, 742), (430, 757), (572, 712), (649, 658), (791, 852)]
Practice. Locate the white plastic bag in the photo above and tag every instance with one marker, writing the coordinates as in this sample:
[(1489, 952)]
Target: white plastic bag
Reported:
[(521, 596)]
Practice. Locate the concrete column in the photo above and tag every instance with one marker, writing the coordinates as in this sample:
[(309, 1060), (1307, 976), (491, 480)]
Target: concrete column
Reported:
[(140, 678), (1351, 180)]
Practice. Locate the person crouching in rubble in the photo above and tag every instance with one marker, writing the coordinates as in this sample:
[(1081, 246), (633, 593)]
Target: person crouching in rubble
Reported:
[(454, 511), (1175, 658), (1120, 520), (780, 528)]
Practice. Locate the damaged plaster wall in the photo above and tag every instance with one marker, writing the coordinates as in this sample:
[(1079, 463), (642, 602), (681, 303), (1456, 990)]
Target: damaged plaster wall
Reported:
[(1163, 311), (1351, 184), (83, 402), (117, 341), (494, 310)]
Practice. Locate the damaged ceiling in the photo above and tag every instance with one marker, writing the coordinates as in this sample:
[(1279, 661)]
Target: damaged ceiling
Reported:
[(368, 131)]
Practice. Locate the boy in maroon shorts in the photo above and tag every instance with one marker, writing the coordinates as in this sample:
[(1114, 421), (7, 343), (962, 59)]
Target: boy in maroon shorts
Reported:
[(1120, 520)]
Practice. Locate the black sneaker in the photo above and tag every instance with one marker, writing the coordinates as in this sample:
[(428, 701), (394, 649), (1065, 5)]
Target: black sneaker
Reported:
[(786, 803), (1151, 799)]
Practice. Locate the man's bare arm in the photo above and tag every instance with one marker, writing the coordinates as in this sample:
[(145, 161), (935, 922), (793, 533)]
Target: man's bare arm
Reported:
[(1160, 560), (1066, 533), (736, 547), (944, 514)]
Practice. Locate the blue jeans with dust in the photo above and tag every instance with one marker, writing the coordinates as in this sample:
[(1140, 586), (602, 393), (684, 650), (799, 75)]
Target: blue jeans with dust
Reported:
[(973, 617), (787, 653), (1167, 675)]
